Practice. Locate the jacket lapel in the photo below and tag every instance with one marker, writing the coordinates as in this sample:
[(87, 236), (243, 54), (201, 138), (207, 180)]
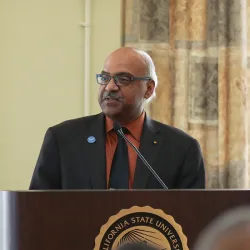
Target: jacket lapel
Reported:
[(150, 145), (96, 154)]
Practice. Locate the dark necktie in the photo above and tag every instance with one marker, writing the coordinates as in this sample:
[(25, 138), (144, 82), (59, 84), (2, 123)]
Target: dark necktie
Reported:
[(119, 176)]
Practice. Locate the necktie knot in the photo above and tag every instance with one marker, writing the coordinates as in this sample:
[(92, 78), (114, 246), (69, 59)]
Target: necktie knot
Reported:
[(125, 130)]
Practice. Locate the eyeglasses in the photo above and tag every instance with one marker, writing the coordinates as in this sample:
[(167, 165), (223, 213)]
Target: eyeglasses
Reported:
[(120, 80)]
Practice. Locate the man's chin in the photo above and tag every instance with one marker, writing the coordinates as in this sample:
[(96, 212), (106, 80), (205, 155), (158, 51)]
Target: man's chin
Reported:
[(112, 112)]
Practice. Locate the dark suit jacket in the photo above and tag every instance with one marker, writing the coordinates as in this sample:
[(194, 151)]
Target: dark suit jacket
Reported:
[(68, 161)]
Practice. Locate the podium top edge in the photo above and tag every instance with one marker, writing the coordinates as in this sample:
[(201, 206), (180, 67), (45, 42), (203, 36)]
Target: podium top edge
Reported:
[(124, 191)]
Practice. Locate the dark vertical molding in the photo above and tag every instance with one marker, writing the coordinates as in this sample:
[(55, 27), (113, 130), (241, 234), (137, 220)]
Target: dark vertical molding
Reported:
[(123, 22)]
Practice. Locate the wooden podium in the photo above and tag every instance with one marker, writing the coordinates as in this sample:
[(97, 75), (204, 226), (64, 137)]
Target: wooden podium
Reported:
[(71, 220)]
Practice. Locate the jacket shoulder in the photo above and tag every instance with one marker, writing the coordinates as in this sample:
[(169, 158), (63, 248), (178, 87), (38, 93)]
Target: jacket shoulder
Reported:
[(76, 124), (173, 132)]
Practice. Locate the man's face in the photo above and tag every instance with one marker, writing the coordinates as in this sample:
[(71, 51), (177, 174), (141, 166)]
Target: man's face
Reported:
[(124, 102)]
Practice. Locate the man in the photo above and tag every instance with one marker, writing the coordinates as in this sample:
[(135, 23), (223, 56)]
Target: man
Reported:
[(229, 231), (86, 153), (137, 246)]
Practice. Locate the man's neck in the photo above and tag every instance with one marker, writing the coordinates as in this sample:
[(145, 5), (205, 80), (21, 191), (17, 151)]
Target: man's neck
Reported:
[(126, 120)]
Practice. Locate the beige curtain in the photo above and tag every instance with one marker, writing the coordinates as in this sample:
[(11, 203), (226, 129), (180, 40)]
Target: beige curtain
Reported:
[(200, 49)]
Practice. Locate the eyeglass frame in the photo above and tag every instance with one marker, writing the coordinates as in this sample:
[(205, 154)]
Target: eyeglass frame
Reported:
[(133, 78)]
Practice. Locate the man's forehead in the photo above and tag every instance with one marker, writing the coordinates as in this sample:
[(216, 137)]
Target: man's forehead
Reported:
[(118, 68), (116, 72), (131, 67)]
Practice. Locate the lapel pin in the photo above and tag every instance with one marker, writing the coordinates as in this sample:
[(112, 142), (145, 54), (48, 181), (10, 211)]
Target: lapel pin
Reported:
[(155, 142), (91, 139)]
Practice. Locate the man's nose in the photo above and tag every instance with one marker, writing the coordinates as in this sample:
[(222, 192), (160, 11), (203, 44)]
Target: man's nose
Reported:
[(111, 86)]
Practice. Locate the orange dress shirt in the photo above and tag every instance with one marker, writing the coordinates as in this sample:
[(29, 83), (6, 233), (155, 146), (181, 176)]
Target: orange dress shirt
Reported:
[(135, 129)]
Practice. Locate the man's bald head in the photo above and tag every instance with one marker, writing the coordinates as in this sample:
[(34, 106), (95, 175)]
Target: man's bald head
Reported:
[(138, 59), (234, 237), (127, 80), (227, 232)]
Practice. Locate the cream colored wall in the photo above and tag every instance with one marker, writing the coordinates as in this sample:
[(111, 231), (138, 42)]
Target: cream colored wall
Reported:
[(106, 37), (42, 73)]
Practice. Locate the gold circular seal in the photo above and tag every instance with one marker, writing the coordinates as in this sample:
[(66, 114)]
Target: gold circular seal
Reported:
[(141, 224)]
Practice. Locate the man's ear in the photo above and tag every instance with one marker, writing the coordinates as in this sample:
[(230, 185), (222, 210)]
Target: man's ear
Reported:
[(150, 89)]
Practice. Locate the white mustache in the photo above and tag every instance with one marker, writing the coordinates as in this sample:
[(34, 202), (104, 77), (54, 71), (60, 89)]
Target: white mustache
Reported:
[(111, 95)]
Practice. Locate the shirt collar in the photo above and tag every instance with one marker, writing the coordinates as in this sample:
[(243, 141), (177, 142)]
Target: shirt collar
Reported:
[(134, 127)]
